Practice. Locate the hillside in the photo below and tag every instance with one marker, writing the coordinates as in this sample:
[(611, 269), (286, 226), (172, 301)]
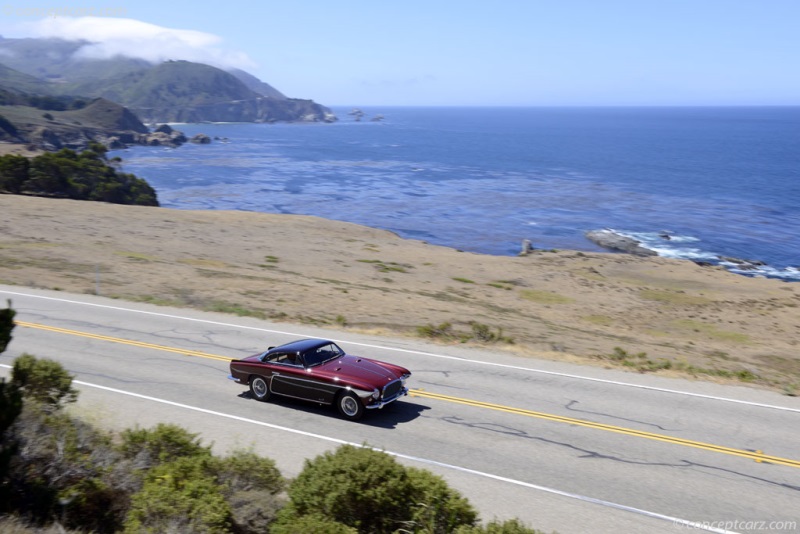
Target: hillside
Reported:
[(644, 314), (182, 91), (173, 91), (99, 120), (17, 81), (55, 61)]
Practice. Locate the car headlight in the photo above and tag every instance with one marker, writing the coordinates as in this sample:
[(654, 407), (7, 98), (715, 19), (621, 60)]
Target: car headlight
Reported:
[(376, 394)]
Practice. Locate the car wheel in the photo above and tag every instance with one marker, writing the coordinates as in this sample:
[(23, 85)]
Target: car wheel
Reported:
[(259, 388), (350, 406)]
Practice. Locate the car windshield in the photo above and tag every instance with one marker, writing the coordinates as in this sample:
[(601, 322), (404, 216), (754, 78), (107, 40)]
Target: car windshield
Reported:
[(322, 354)]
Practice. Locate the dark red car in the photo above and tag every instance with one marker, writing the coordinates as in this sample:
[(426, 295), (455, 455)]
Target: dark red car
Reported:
[(318, 370)]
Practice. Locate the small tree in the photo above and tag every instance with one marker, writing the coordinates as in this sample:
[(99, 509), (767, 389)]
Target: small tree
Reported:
[(42, 380), (6, 326)]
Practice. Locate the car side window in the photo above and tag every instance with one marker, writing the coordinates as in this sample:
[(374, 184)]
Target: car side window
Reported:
[(285, 358)]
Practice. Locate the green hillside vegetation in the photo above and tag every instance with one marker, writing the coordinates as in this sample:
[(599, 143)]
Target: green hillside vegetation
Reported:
[(180, 83), (22, 82), (57, 60), (183, 91), (59, 471), (61, 122), (173, 91), (256, 85), (67, 174)]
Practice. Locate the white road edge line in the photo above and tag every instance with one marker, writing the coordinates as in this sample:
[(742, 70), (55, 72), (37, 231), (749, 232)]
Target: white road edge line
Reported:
[(431, 354), (685, 523)]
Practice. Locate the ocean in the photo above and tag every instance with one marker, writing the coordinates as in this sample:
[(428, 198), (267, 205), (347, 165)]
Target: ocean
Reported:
[(720, 181)]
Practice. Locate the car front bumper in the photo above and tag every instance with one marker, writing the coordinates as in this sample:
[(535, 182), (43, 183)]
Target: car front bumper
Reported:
[(377, 405)]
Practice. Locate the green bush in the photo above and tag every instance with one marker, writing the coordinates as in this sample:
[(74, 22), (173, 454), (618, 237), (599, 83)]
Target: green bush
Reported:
[(162, 444), (438, 509), (253, 487), (180, 496), (65, 468), (42, 380), (512, 526), (66, 174), (369, 491), (312, 523), (186, 488), (444, 330), (244, 470)]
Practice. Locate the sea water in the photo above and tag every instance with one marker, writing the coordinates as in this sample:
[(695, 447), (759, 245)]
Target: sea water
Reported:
[(719, 181)]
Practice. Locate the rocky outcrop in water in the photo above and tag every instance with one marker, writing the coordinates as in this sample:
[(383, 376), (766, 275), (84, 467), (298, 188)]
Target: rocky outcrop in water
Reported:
[(611, 240)]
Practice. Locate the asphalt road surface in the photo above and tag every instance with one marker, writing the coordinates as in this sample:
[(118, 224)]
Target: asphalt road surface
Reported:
[(562, 447)]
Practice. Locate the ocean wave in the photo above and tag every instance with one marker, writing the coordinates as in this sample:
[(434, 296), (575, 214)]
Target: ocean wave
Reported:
[(666, 245)]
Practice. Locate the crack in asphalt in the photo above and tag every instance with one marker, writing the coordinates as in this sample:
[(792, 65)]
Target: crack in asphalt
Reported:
[(509, 431), (569, 406), (586, 453)]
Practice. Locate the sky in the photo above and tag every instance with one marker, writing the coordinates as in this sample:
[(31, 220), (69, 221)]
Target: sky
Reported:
[(457, 52)]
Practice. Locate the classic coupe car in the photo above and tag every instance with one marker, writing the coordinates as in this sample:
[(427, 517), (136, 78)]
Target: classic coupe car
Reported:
[(318, 370)]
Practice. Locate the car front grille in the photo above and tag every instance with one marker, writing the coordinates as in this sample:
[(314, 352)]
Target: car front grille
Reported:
[(392, 389)]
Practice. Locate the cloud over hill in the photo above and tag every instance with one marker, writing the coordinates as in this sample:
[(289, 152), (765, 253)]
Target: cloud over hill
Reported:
[(109, 37)]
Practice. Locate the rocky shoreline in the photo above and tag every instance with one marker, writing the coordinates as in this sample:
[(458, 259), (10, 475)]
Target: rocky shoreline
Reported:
[(618, 242)]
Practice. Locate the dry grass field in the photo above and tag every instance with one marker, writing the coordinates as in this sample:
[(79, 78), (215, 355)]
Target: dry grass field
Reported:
[(645, 314)]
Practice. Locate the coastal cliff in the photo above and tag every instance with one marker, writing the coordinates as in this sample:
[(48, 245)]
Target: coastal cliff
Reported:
[(171, 91)]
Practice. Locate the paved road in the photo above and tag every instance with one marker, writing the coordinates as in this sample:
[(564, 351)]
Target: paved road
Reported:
[(566, 448)]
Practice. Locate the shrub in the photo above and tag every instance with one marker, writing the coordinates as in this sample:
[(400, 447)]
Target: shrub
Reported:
[(64, 468), (438, 509), (484, 333), (13, 173), (10, 408), (180, 496), (244, 470), (42, 380), (350, 485), (66, 174), (429, 330), (162, 444), (312, 523), (369, 491), (512, 526)]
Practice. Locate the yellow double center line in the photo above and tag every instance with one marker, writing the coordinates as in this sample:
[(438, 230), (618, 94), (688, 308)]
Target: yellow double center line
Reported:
[(753, 455), (123, 341), (758, 456)]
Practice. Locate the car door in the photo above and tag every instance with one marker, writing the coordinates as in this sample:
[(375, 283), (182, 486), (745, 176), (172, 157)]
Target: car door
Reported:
[(287, 375)]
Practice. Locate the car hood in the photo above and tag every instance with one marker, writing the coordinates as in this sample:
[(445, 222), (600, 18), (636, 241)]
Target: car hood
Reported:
[(362, 369)]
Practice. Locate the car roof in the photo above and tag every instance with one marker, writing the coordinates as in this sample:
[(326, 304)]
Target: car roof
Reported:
[(301, 345)]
